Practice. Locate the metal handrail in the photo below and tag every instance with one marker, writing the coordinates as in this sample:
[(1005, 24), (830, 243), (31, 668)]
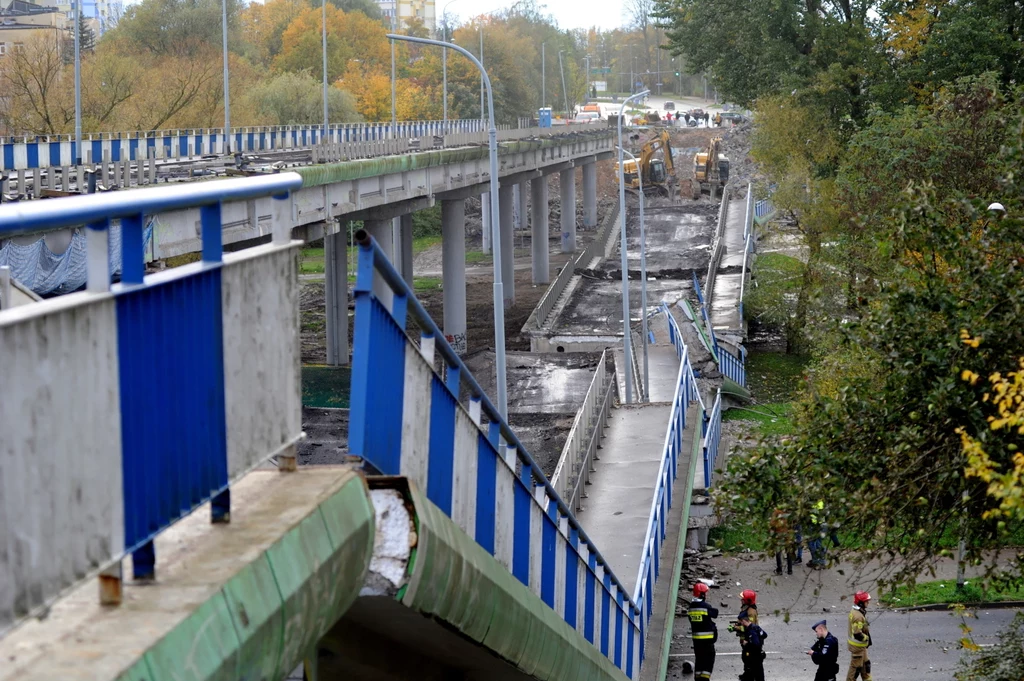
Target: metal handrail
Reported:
[(580, 426), (32, 217), (592, 444), (383, 267)]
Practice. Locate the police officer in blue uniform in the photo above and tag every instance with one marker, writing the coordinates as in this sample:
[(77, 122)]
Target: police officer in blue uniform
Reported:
[(825, 653)]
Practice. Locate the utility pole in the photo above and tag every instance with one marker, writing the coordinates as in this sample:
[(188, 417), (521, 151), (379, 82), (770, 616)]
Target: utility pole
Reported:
[(79, 155), (543, 77), (658, 52), (394, 119), (565, 93), (327, 120), (586, 97), (483, 113), (227, 98)]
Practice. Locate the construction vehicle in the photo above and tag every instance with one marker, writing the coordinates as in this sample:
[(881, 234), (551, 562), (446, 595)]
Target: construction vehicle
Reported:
[(710, 170), (657, 174)]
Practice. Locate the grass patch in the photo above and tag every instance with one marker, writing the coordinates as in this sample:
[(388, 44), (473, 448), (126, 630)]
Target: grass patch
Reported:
[(945, 591), (771, 419), (775, 377), (476, 256), (729, 537), (423, 284), (311, 261), (422, 243)]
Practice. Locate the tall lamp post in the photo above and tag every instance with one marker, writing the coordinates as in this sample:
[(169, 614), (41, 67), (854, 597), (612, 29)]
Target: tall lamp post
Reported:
[(79, 155), (444, 60), (565, 93), (492, 149), (627, 340), (227, 98), (324, 37), (643, 269)]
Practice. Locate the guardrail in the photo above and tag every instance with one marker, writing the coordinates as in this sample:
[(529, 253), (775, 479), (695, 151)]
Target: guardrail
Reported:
[(685, 393), (127, 407), (46, 151), (407, 419), (732, 366), (717, 247), (598, 246), (764, 210), (712, 438), (575, 462)]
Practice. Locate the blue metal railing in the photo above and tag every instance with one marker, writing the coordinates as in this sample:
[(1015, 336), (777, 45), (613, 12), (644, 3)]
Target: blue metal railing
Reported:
[(485, 480), (712, 438), (685, 393), (143, 382)]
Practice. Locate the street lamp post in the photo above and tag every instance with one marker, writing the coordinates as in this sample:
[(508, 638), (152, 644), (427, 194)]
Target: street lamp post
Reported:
[(627, 340), (324, 37), (543, 76), (444, 61), (394, 17), (643, 269), (565, 93), (492, 149), (79, 155), (227, 98)]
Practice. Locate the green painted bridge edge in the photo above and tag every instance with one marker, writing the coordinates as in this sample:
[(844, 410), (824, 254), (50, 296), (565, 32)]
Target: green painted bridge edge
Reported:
[(455, 579), (329, 173), (274, 610), (677, 562)]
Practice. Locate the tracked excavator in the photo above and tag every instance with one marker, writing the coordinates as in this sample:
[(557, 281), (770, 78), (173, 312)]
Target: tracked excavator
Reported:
[(657, 174), (710, 170)]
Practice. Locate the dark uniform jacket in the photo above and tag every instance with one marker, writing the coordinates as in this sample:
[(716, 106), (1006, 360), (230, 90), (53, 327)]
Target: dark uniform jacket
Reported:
[(702, 620), (825, 654)]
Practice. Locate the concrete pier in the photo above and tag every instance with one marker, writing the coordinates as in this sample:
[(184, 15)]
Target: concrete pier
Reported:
[(524, 204), (567, 181), (453, 263), (508, 272), (539, 232), (590, 196), (405, 262), (383, 232), (336, 295)]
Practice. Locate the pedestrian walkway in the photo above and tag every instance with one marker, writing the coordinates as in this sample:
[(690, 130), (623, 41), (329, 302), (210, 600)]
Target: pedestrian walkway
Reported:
[(618, 508), (725, 300), (663, 362)]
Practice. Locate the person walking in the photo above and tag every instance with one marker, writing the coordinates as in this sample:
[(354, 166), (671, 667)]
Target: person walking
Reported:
[(706, 117), (740, 627), (753, 648), (825, 653), (703, 631), (780, 528), (858, 638)]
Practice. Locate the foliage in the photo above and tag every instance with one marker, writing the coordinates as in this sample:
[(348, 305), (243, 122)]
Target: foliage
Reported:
[(946, 591), (775, 377), (296, 98), (884, 451), (175, 27), (770, 419), (350, 37), (1002, 661)]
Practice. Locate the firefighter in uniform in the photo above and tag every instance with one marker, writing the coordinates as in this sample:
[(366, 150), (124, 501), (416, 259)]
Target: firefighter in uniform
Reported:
[(858, 638), (748, 610), (825, 653), (703, 631)]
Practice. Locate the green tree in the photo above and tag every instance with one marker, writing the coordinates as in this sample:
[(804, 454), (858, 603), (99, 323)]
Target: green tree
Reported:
[(174, 27), (296, 98)]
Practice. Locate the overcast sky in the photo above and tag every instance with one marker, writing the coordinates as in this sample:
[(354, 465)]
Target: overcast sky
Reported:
[(605, 14)]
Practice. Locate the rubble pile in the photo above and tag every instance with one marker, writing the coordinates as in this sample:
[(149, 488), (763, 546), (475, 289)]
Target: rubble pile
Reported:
[(742, 169), (697, 568)]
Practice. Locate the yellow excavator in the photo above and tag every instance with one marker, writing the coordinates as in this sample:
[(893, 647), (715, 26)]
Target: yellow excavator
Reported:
[(710, 169), (657, 174)]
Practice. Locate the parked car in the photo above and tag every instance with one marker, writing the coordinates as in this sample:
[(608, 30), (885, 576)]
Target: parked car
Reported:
[(670, 106), (733, 117), (587, 117)]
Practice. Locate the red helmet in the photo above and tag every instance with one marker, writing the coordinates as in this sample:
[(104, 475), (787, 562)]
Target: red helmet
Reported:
[(748, 597), (861, 597), (699, 589)]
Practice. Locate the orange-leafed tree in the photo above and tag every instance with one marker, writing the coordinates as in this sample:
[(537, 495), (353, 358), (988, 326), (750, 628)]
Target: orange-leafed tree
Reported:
[(351, 37)]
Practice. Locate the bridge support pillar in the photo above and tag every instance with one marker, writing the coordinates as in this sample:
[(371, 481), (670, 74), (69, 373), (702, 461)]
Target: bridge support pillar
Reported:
[(590, 196), (567, 182), (406, 248), (524, 197), (539, 233), (508, 270), (336, 295), (382, 231), (453, 264), (485, 221)]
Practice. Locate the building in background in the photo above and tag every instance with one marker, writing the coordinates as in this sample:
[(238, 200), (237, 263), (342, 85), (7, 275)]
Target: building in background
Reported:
[(102, 14), (22, 21), (406, 10)]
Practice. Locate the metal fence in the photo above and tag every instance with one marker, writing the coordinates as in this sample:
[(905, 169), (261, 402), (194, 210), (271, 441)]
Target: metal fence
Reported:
[(657, 526), (471, 465), (46, 151), (712, 438), (126, 407), (576, 461)]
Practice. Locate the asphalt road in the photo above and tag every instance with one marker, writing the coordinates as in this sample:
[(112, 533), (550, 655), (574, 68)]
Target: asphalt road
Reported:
[(919, 646)]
